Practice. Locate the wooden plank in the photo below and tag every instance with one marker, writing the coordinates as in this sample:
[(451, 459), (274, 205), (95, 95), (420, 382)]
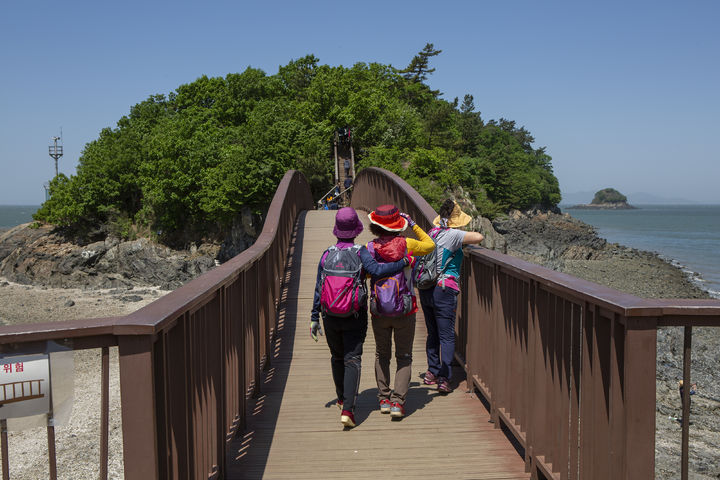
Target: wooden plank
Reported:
[(293, 428)]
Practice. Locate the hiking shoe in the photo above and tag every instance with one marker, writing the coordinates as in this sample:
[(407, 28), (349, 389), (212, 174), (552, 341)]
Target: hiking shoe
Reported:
[(347, 419), (385, 406), (443, 385), (429, 378), (397, 410)]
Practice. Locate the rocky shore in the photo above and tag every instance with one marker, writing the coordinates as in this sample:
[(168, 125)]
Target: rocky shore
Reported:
[(45, 278)]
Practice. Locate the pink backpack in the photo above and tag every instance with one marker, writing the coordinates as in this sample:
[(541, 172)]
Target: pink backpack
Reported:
[(342, 291)]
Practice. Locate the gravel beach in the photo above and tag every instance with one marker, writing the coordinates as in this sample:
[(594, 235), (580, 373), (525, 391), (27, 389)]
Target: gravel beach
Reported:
[(78, 440)]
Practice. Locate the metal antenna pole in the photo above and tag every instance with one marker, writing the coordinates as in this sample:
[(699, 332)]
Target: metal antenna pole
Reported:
[(56, 151)]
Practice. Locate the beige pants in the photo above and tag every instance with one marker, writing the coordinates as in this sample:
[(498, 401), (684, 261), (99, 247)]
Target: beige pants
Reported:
[(403, 331)]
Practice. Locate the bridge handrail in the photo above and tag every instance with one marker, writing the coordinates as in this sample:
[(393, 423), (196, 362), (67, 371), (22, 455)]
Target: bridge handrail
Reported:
[(567, 366), (188, 359)]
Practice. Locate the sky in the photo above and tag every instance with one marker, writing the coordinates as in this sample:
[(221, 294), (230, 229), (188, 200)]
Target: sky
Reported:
[(622, 94)]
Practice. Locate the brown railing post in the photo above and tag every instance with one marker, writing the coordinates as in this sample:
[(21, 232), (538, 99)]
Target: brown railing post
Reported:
[(4, 448), (639, 379), (52, 458), (137, 389), (104, 412), (687, 386)]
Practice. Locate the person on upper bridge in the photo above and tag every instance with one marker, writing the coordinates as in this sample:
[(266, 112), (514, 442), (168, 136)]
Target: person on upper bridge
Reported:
[(393, 304), (341, 296), (439, 301)]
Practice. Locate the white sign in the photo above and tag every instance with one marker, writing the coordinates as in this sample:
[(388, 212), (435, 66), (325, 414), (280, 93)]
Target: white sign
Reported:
[(24, 386)]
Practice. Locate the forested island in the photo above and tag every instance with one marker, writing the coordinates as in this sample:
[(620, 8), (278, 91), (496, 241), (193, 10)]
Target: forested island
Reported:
[(180, 167), (606, 199)]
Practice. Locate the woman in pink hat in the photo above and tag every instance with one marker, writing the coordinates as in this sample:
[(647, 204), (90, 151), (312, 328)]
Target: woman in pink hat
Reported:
[(393, 304), (346, 323)]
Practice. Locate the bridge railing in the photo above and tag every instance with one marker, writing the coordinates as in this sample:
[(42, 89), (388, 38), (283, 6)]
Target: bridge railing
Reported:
[(188, 360), (567, 367)]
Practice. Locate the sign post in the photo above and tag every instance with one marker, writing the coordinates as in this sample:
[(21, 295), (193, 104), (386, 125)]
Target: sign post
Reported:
[(24, 391)]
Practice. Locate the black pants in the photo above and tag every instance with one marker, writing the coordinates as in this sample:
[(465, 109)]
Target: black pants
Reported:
[(345, 337)]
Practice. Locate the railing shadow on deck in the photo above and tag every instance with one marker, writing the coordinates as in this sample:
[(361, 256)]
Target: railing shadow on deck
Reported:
[(263, 409)]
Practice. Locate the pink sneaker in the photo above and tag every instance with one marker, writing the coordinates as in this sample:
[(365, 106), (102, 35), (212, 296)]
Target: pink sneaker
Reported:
[(429, 378), (443, 385)]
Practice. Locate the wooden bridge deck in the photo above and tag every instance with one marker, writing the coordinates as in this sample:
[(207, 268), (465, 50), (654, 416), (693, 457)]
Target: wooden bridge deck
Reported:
[(294, 428)]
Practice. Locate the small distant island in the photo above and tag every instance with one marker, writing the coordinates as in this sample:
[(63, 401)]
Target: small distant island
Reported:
[(606, 199)]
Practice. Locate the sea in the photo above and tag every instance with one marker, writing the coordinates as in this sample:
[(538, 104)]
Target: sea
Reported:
[(13, 215), (686, 235)]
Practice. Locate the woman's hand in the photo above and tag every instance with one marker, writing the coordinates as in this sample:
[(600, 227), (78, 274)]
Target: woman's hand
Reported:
[(409, 220)]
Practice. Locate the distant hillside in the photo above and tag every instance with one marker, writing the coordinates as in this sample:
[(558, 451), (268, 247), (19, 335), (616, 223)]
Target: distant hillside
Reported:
[(650, 199)]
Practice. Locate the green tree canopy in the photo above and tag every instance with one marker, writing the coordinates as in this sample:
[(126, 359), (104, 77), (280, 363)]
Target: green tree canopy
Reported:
[(184, 164)]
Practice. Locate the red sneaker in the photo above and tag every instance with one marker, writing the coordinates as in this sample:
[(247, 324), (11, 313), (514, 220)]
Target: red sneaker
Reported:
[(347, 419), (397, 411), (385, 405)]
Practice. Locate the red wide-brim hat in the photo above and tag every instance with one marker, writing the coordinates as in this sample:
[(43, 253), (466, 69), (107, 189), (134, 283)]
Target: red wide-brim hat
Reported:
[(388, 217)]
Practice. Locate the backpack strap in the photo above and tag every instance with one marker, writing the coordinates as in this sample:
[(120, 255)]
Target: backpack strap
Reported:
[(331, 248)]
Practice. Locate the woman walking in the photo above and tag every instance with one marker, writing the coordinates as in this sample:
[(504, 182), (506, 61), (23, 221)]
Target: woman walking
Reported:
[(341, 296), (439, 302), (393, 304)]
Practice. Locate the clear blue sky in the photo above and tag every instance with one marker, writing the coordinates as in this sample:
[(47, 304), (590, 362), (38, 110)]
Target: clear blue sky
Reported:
[(623, 94)]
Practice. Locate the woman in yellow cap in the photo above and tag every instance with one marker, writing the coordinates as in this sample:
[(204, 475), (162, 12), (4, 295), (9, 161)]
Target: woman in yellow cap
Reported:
[(439, 302)]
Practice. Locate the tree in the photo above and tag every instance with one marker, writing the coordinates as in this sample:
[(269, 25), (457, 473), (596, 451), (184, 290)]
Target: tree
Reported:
[(419, 67), (183, 165)]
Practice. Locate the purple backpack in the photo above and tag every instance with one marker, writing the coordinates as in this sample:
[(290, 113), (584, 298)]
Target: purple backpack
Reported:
[(342, 293), (389, 296)]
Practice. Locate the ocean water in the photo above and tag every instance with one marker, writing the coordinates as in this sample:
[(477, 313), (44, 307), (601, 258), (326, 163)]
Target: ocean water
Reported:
[(687, 235), (12, 215)]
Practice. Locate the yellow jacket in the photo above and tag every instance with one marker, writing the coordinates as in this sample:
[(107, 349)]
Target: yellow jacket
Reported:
[(422, 246)]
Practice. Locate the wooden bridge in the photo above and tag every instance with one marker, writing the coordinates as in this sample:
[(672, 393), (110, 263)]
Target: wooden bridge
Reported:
[(220, 379)]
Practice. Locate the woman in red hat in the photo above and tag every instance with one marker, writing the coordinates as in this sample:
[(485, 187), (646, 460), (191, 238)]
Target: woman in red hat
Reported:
[(345, 333), (394, 320)]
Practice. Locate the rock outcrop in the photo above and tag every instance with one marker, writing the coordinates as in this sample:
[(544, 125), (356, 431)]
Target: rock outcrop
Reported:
[(41, 257)]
